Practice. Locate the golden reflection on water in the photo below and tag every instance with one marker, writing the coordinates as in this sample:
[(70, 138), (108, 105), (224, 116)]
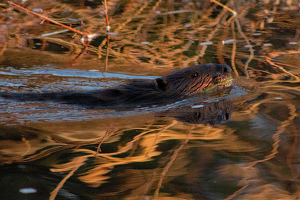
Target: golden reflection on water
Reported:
[(242, 146)]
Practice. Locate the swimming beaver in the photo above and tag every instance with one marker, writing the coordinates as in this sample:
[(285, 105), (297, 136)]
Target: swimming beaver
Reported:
[(178, 84)]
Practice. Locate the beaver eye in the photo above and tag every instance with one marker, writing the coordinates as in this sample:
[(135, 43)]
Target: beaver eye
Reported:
[(195, 74)]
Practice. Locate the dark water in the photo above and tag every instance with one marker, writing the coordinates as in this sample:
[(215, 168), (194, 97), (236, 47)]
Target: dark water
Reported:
[(241, 143)]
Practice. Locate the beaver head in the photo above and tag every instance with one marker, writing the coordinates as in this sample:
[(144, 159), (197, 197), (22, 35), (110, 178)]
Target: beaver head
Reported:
[(192, 80)]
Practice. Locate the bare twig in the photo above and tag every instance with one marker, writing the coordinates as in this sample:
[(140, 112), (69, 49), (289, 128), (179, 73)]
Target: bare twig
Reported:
[(226, 7), (107, 35), (234, 13), (173, 157), (47, 18), (108, 133), (233, 50), (248, 44), (79, 162), (3, 49)]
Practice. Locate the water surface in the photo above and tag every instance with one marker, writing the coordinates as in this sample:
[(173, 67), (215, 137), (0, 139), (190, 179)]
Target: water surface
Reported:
[(241, 143)]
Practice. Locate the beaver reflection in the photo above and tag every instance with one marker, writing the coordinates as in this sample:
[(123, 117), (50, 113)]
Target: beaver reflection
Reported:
[(211, 113), (176, 85)]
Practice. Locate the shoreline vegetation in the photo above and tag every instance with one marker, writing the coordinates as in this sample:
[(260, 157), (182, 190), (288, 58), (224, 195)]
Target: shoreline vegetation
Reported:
[(164, 34)]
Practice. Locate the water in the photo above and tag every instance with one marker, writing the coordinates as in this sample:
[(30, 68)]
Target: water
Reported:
[(241, 143)]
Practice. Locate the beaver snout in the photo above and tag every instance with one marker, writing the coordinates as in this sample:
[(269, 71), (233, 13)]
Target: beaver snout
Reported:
[(223, 68), (223, 72)]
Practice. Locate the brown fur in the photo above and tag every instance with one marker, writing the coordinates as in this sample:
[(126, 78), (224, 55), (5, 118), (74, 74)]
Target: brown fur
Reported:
[(176, 85)]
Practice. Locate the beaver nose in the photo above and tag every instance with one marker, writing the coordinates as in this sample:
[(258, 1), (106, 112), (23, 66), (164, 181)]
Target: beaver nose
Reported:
[(223, 68)]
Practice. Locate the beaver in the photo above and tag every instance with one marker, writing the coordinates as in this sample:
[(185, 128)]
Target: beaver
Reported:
[(211, 113), (176, 85)]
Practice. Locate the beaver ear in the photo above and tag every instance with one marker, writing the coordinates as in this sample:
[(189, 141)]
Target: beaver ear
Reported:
[(160, 84)]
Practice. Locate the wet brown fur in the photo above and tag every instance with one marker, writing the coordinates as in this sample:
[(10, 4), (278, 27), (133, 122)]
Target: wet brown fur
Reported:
[(176, 85)]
